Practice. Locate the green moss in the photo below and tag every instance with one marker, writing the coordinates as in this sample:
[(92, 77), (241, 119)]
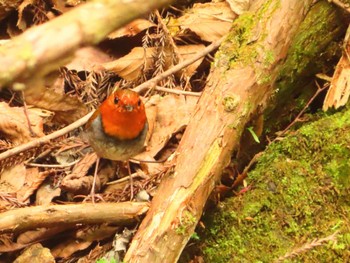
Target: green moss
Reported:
[(321, 26), (230, 102), (243, 45), (187, 222), (299, 192)]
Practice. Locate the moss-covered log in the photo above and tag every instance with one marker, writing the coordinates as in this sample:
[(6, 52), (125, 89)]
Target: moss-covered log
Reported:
[(239, 85), (315, 49), (298, 195)]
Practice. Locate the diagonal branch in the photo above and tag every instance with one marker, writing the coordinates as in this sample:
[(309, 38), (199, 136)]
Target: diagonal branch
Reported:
[(239, 85)]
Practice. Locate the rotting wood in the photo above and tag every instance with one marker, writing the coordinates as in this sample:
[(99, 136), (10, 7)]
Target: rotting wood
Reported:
[(240, 83)]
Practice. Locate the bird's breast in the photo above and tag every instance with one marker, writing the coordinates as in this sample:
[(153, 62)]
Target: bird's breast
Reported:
[(111, 148)]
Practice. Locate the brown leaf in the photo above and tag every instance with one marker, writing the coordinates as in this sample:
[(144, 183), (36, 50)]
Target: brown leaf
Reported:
[(339, 90), (67, 109), (141, 60), (68, 247), (13, 179), (129, 67), (173, 115), (35, 253), (32, 182), (96, 233), (46, 193), (131, 29), (152, 113), (14, 125), (77, 182), (40, 234), (210, 21), (88, 59), (21, 181)]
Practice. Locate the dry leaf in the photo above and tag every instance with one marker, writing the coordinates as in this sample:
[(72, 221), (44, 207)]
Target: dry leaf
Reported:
[(67, 247), (77, 182), (141, 60), (67, 109), (33, 236), (174, 113), (13, 179), (14, 125), (46, 193), (131, 29), (339, 90), (35, 253), (24, 182), (96, 233), (210, 21), (88, 59), (83, 239), (32, 182)]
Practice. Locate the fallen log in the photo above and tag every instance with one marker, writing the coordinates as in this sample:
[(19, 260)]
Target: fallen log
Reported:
[(240, 84)]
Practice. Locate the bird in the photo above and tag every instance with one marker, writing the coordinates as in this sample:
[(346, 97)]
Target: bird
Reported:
[(117, 130)]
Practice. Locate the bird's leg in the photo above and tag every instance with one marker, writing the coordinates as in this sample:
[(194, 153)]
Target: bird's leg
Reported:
[(92, 193), (25, 109), (131, 182)]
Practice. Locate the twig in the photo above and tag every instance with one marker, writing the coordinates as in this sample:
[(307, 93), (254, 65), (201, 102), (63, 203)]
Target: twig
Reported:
[(53, 165), (244, 174), (178, 92), (45, 139), (341, 5), (153, 82), (25, 109), (297, 118), (124, 179), (307, 247)]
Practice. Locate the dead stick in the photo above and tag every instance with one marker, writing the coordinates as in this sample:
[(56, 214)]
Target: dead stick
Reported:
[(178, 92), (48, 216), (45, 139)]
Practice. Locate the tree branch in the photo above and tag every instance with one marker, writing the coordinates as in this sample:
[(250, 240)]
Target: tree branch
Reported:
[(41, 49), (47, 216)]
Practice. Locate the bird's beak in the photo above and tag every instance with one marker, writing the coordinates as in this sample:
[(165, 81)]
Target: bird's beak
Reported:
[(129, 108)]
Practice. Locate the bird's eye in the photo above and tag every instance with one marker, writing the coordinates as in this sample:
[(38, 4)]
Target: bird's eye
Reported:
[(139, 103), (116, 100)]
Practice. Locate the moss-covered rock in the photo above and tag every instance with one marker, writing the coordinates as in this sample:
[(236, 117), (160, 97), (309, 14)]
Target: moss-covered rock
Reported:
[(299, 192)]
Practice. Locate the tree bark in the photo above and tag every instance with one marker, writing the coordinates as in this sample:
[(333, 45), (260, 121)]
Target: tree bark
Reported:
[(239, 85), (44, 48)]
